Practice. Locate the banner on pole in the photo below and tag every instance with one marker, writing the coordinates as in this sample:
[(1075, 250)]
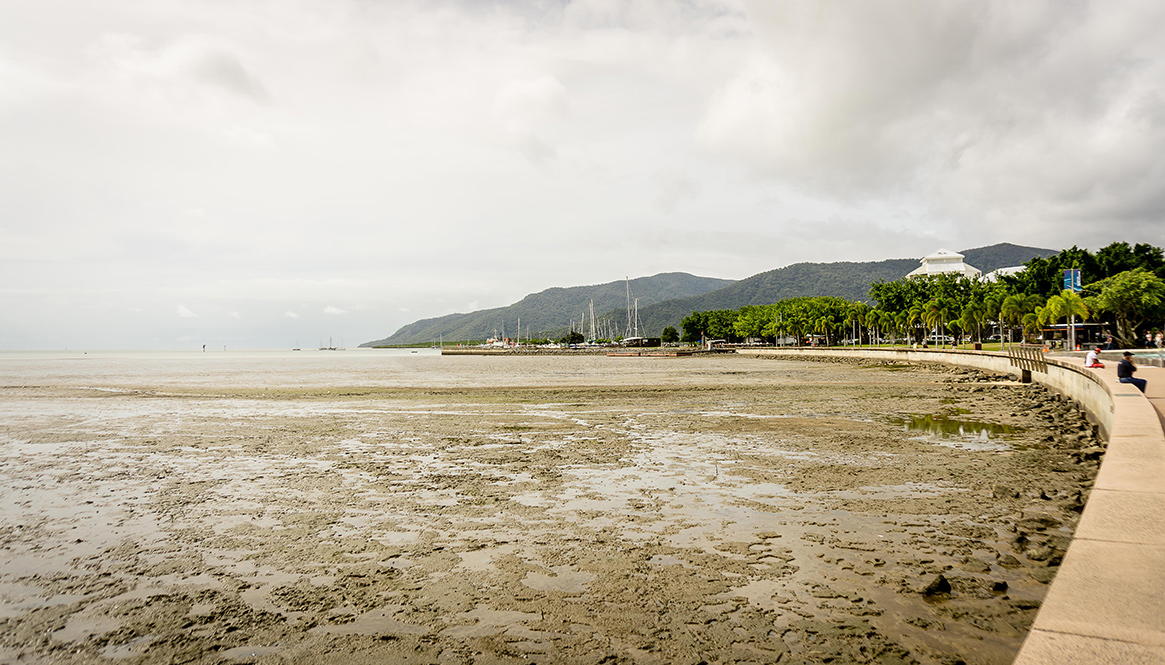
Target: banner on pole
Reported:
[(1072, 281)]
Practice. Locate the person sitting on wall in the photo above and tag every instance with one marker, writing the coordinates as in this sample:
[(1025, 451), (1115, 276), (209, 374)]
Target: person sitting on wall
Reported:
[(1092, 359), (1124, 372)]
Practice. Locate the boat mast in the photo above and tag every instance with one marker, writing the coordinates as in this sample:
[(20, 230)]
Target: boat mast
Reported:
[(593, 337), (628, 333)]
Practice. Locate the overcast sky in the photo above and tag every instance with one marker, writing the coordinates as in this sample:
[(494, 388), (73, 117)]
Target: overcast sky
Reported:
[(271, 173)]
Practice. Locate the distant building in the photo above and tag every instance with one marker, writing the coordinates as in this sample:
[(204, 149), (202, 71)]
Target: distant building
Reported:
[(945, 261), (994, 275)]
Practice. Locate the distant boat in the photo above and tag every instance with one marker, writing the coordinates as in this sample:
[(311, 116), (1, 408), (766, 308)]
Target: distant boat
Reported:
[(329, 347)]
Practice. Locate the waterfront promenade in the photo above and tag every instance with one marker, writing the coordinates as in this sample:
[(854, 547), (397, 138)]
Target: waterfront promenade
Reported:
[(1107, 601)]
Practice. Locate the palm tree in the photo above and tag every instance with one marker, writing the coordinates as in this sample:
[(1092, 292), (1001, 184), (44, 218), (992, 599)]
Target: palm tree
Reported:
[(1074, 306), (1031, 321), (1012, 310), (822, 326), (900, 323), (937, 314), (1051, 312), (914, 314), (886, 322)]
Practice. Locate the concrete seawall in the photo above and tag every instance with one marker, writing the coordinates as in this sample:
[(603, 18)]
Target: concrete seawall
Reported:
[(1107, 602)]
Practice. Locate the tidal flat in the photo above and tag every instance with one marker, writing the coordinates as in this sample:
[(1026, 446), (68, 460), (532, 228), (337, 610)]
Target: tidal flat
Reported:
[(367, 508)]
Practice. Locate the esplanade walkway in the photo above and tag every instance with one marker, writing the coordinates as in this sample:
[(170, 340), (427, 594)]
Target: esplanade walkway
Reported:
[(1107, 601)]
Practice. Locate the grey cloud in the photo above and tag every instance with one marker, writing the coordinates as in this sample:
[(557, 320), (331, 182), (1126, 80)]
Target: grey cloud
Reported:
[(1018, 108), (224, 70)]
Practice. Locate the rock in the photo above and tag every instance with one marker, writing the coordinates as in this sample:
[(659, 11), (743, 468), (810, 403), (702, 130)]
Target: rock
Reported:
[(1040, 553), (1043, 575), (1020, 542), (975, 565), (939, 586), (999, 587), (1090, 454), (1038, 523), (1008, 561), (1000, 491)]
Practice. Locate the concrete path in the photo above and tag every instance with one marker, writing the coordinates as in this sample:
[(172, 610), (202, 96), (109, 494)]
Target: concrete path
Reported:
[(1107, 603), (1155, 391)]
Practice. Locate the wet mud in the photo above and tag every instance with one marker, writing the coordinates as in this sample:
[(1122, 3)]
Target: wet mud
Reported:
[(727, 510)]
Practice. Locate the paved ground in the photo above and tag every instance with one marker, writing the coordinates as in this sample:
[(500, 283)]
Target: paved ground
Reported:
[(1155, 391), (1107, 605)]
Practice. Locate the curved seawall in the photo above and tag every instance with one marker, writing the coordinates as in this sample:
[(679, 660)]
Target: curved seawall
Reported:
[(1107, 602)]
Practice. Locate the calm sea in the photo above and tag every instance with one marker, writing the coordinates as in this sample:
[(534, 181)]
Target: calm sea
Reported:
[(363, 368)]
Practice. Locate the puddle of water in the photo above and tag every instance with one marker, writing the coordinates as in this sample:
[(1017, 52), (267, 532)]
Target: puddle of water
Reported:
[(942, 425), (759, 593), (960, 434), (564, 579), (482, 560)]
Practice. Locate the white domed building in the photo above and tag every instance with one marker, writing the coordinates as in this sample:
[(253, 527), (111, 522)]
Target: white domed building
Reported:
[(945, 261)]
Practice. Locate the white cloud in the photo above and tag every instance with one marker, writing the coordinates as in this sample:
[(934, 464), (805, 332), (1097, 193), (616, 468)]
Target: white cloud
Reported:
[(422, 158), (185, 313)]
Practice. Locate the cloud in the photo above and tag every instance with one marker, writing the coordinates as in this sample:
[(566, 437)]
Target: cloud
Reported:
[(522, 106), (990, 112), (275, 157), (290, 314), (182, 65), (673, 186), (185, 313)]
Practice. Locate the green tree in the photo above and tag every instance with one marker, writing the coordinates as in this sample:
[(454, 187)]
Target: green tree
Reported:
[(1012, 310), (574, 337), (669, 335), (1131, 297)]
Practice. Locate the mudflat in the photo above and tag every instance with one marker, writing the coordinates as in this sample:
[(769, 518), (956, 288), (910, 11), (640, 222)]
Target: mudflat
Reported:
[(538, 509)]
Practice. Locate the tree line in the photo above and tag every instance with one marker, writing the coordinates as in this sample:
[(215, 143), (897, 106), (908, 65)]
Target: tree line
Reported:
[(1123, 288)]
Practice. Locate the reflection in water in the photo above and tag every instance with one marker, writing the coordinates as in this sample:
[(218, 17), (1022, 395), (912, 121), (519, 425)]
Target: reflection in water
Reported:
[(943, 426), (960, 434)]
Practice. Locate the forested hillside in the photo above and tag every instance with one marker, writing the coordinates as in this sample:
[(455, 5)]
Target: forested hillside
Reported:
[(549, 313), (665, 299), (1003, 255), (843, 280)]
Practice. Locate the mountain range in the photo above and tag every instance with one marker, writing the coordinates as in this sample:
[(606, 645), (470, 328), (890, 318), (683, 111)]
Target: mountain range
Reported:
[(665, 299)]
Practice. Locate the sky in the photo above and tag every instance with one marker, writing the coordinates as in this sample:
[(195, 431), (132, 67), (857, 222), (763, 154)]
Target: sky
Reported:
[(274, 173)]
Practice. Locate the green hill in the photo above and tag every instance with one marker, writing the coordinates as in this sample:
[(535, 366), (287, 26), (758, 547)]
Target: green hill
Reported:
[(549, 313), (665, 299), (1003, 255), (841, 280)]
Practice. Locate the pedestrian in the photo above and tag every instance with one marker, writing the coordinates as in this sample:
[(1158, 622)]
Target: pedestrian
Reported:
[(1124, 372), (1157, 339), (1108, 343), (1092, 359)]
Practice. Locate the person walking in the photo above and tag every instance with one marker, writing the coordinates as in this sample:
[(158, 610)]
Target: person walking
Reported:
[(1124, 372)]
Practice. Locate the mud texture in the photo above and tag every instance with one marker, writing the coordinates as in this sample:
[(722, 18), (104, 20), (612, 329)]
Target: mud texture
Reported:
[(731, 510)]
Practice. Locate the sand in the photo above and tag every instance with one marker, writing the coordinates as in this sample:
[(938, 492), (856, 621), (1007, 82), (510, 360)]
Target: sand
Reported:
[(696, 510)]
